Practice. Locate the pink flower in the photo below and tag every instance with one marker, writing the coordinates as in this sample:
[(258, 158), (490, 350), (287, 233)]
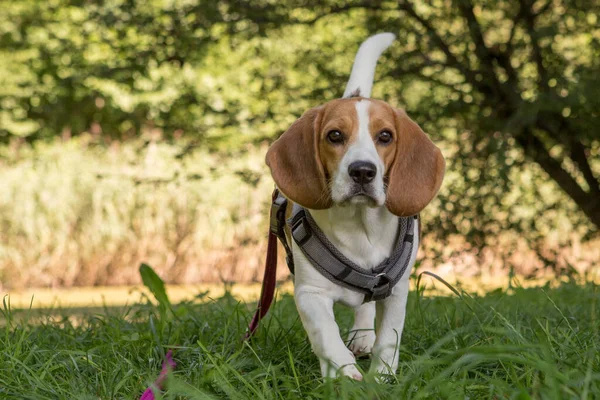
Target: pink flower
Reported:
[(167, 366)]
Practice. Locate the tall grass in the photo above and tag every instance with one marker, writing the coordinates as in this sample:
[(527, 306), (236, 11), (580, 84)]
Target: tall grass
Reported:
[(75, 213), (79, 213)]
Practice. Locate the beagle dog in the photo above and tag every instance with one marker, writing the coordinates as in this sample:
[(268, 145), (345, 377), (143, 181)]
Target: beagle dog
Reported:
[(355, 164)]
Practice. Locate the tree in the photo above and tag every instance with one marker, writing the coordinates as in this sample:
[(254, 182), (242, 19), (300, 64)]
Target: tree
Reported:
[(553, 106), (522, 72)]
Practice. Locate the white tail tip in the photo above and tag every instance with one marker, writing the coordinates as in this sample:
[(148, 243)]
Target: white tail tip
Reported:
[(363, 70)]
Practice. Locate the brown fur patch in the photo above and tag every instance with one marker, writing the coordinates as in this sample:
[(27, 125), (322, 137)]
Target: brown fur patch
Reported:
[(381, 118), (302, 160), (338, 115), (417, 171)]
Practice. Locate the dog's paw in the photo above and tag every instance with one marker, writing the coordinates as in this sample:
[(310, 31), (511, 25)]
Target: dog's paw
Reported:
[(352, 372), (330, 371), (361, 342), (381, 370)]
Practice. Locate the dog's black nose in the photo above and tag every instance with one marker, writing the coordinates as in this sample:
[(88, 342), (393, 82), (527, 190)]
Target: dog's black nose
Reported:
[(362, 171)]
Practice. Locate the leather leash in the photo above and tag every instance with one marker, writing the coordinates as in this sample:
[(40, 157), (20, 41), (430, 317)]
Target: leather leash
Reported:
[(268, 285)]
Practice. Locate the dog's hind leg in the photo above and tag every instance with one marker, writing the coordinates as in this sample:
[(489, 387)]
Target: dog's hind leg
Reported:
[(362, 334)]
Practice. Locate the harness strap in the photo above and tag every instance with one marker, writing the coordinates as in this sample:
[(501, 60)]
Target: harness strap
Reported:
[(277, 225), (327, 259), (331, 263)]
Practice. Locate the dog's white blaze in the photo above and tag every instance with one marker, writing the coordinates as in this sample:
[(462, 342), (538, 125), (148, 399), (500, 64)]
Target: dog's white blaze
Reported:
[(362, 149)]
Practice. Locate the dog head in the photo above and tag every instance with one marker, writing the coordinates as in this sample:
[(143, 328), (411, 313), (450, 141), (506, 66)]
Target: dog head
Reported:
[(357, 151)]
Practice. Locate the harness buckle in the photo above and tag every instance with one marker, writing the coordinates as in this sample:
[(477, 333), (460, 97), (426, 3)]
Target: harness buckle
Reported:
[(277, 218), (382, 287), (300, 221)]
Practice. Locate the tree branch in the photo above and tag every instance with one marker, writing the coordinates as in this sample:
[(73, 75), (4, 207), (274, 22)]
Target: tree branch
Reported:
[(260, 15), (439, 42), (513, 30), (562, 128), (580, 158), (481, 50), (544, 8), (503, 60), (536, 51), (509, 43), (534, 148), (417, 69)]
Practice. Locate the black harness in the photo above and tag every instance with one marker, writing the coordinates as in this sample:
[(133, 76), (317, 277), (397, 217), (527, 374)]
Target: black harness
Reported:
[(376, 284)]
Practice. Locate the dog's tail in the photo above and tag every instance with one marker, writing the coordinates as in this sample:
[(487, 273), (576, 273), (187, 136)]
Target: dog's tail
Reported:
[(363, 70)]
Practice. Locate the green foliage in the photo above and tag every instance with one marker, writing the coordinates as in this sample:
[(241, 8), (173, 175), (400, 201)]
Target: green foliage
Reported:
[(525, 343), (115, 65), (119, 67), (157, 287)]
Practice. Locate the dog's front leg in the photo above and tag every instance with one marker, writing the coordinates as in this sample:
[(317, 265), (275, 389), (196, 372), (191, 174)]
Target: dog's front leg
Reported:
[(316, 313), (391, 313)]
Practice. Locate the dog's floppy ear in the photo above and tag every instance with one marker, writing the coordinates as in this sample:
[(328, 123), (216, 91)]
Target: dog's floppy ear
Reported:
[(295, 163), (417, 171)]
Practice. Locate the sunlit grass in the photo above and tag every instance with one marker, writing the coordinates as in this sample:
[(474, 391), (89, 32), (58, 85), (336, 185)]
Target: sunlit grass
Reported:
[(519, 343)]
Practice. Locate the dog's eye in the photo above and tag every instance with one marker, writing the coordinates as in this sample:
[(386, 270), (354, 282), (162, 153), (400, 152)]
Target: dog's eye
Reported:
[(384, 137), (335, 137)]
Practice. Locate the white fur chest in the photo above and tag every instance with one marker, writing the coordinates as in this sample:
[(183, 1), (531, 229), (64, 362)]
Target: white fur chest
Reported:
[(364, 235)]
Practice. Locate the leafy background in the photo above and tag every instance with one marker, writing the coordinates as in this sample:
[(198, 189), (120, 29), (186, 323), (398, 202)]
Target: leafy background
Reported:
[(135, 131)]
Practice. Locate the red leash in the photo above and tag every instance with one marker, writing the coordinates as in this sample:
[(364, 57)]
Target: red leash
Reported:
[(266, 298), (268, 286)]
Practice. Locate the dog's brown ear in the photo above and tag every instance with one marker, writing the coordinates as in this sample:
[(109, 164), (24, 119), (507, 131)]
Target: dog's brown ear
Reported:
[(296, 166), (417, 171)]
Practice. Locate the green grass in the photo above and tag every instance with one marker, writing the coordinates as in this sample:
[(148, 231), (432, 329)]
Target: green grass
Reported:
[(517, 344)]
